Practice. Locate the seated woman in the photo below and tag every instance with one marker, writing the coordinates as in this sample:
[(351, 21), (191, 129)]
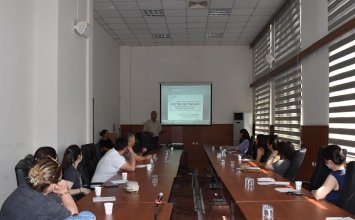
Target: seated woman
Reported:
[(43, 153), (285, 152), (334, 184), (261, 154), (30, 201), (105, 143), (244, 140), (71, 159)]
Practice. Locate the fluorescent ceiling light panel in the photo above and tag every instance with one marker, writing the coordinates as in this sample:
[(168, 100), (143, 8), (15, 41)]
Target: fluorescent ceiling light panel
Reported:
[(153, 13), (161, 35), (219, 11)]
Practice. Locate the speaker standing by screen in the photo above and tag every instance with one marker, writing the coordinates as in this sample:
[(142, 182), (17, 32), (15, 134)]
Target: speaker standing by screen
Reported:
[(186, 103)]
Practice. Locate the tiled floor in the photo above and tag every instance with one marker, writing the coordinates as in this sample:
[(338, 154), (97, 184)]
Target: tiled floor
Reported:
[(183, 199)]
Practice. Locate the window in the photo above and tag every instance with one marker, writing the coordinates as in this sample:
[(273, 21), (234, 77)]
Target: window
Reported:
[(262, 109), (287, 32), (342, 92), (288, 100), (261, 49), (342, 78)]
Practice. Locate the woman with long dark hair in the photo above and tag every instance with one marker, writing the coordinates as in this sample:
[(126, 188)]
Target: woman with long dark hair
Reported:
[(71, 159), (244, 140), (280, 158), (333, 186), (262, 150)]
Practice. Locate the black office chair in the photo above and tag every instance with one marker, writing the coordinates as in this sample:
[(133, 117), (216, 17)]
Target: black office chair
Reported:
[(347, 198), (23, 167), (320, 172), (88, 165), (296, 163)]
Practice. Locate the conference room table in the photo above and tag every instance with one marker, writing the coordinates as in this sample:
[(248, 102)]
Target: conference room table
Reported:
[(247, 202), (141, 204)]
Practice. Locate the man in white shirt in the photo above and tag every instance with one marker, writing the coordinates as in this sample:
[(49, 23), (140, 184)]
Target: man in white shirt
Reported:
[(153, 126), (113, 161)]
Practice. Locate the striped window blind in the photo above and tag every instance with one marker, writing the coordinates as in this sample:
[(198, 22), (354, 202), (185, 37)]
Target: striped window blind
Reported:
[(262, 109), (342, 92), (288, 100), (261, 49), (339, 12), (287, 32)]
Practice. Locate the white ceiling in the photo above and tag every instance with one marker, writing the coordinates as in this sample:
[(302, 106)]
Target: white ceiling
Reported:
[(124, 21)]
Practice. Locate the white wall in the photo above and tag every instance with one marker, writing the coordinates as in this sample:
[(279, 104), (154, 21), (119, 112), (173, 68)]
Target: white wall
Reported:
[(143, 68), (73, 71), (106, 78), (16, 88), (315, 77), (45, 87)]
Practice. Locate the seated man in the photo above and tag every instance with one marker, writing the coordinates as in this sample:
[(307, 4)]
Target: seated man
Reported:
[(131, 139), (113, 161)]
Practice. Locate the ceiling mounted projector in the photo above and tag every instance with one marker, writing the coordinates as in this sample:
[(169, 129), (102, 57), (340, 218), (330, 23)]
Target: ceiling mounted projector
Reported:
[(83, 28)]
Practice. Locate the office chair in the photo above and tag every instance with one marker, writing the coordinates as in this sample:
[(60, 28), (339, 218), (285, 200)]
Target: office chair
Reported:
[(89, 162), (347, 198), (22, 168), (296, 163)]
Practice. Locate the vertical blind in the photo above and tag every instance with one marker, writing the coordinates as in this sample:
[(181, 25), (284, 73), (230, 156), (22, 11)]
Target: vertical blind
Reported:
[(262, 109), (342, 92), (339, 12), (287, 31), (288, 100), (261, 49)]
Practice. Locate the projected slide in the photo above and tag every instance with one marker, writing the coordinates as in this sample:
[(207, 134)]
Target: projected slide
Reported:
[(185, 103), (185, 107)]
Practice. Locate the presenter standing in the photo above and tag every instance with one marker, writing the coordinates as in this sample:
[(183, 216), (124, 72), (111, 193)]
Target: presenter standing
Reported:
[(153, 127)]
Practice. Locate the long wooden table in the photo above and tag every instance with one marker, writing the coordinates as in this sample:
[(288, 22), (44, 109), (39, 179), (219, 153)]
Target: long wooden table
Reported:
[(139, 205), (248, 202)]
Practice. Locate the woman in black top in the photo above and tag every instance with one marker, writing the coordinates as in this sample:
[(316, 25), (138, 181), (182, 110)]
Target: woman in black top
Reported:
[(71, 159), (105, 143), (261, 154)]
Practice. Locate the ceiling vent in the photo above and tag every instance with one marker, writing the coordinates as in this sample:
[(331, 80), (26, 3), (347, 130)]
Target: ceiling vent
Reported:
[(197, 4)]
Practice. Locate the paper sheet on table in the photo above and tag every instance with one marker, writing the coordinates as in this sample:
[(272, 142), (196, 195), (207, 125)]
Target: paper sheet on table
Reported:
[(104, 199), (266, 179), (274, 183), (141, 165), (116, 182), (253, 168), (338, 218), (285, 190)]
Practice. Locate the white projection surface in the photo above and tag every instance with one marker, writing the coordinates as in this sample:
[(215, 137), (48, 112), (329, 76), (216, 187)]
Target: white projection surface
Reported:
[(185, 103)]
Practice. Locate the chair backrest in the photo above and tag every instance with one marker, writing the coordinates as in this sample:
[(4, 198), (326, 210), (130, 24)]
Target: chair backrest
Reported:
[(22, 168), (88, 165), (296, 163), (347, 198), (320, 172)]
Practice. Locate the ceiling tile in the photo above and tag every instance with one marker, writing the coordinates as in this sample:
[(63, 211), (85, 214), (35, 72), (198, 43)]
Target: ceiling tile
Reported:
[(130, 13), (126, 5), (197, 19), (197, 12), (238, 18), (221, 3), (260, 19), (118, 26), (103, 6), (150, 5), (157, 26), (196, 30), (243, 12), (175, 12), (197, 25), (107, 13), (246, 3), (264, 11), (116, 20), (269, 3), (155, 20), (178, 30), (133, 20), (173, 20), (168, 4), (181, 25), (218, 18)]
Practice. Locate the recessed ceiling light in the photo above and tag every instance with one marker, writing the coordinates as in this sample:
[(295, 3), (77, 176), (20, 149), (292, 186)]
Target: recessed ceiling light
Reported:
[(153, 12), (219, 11), (161, 35), (197, 4), (214, 35)]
